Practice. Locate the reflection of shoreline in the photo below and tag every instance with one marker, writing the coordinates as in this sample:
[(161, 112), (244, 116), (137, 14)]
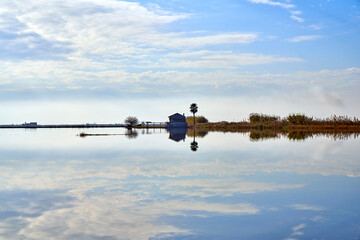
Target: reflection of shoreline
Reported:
[(278, 126), (260, 135), (131, 134), (197, 133)]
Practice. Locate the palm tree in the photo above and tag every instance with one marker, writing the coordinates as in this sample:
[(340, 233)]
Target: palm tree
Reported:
[(194, 109)]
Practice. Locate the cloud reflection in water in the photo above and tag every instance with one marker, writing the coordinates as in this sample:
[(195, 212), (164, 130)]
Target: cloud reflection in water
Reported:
[(104, 188)]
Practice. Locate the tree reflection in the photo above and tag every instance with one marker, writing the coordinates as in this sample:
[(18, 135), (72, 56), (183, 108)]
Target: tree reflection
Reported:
[(131, 134), (194, 145), (263, 135)]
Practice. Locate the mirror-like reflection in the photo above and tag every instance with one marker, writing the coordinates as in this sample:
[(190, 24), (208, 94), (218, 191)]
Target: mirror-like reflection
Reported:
[(55, 185), (260, 135), (177, 134), (131, 133)]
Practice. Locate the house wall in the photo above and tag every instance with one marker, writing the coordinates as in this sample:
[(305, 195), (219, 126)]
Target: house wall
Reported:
[(177, 125)]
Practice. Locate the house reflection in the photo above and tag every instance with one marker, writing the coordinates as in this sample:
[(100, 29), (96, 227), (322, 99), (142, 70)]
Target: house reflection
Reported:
[(177, 134)]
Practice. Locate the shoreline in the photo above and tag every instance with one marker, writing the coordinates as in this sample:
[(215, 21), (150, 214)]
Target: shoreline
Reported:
[(75, 126), (277, 126)]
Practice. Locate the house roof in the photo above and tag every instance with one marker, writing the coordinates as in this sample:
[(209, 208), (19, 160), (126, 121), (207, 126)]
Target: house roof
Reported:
[(176, 114)]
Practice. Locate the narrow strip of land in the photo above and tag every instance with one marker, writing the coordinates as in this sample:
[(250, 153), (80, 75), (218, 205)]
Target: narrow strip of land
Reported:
[(75, 126), (63, 126), (278, 126)]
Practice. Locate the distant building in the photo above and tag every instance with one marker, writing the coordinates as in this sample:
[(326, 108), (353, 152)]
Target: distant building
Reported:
[(30, 124), (177, 121)]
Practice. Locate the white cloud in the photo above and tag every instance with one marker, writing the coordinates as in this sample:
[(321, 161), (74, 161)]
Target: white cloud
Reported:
[(217, 187), (306, 207), (318, 219), (54, 76), (316, 26), (205, 40), (297, 18), (120, 215), (294, 13), (305, 38), (90, 28), (296, 230), (106, 198), (273, 3), (223, 60)]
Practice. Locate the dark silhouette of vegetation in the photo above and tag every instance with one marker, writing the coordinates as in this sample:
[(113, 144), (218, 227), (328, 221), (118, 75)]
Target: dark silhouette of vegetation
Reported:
[(302, 119), (84, 134), (131, 134), (198, 119), (263, 135), (131, 121), (193, 109), (294, 127), (298, 135), (299, 119), (199, 133), (194, 146), (292, 122), (262, 118)]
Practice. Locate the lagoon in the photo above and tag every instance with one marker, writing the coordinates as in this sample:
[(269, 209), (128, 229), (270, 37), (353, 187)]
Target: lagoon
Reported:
[(57, 185)]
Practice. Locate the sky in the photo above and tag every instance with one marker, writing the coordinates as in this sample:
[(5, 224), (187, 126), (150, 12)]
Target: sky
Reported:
[(77, 61)]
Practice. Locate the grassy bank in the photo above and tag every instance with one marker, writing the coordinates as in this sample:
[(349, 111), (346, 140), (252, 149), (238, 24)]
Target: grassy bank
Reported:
[(282, 127), (294, 122)]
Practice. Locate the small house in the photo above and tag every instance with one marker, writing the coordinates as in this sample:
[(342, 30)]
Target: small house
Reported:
[(30, 124), (177, 121)]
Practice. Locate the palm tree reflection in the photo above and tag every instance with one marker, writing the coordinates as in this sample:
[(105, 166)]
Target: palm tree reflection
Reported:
[(179, 134), (194, 145)]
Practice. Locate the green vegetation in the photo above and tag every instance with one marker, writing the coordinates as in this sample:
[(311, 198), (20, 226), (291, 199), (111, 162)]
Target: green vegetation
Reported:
[(302, 119), (261, 118), (197, 133), (261, 135), (299, 119), (198, 119), (293, 122)]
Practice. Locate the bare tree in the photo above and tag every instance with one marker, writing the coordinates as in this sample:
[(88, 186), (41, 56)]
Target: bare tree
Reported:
[(131, 121)]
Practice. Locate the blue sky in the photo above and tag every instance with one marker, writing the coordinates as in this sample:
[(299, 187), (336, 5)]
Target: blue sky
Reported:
[(96, 61)]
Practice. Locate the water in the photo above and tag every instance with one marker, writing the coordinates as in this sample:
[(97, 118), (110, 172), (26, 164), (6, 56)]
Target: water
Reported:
[(56, 185)]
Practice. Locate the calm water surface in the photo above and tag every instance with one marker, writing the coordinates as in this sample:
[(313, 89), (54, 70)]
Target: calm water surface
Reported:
[(56, 185)]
